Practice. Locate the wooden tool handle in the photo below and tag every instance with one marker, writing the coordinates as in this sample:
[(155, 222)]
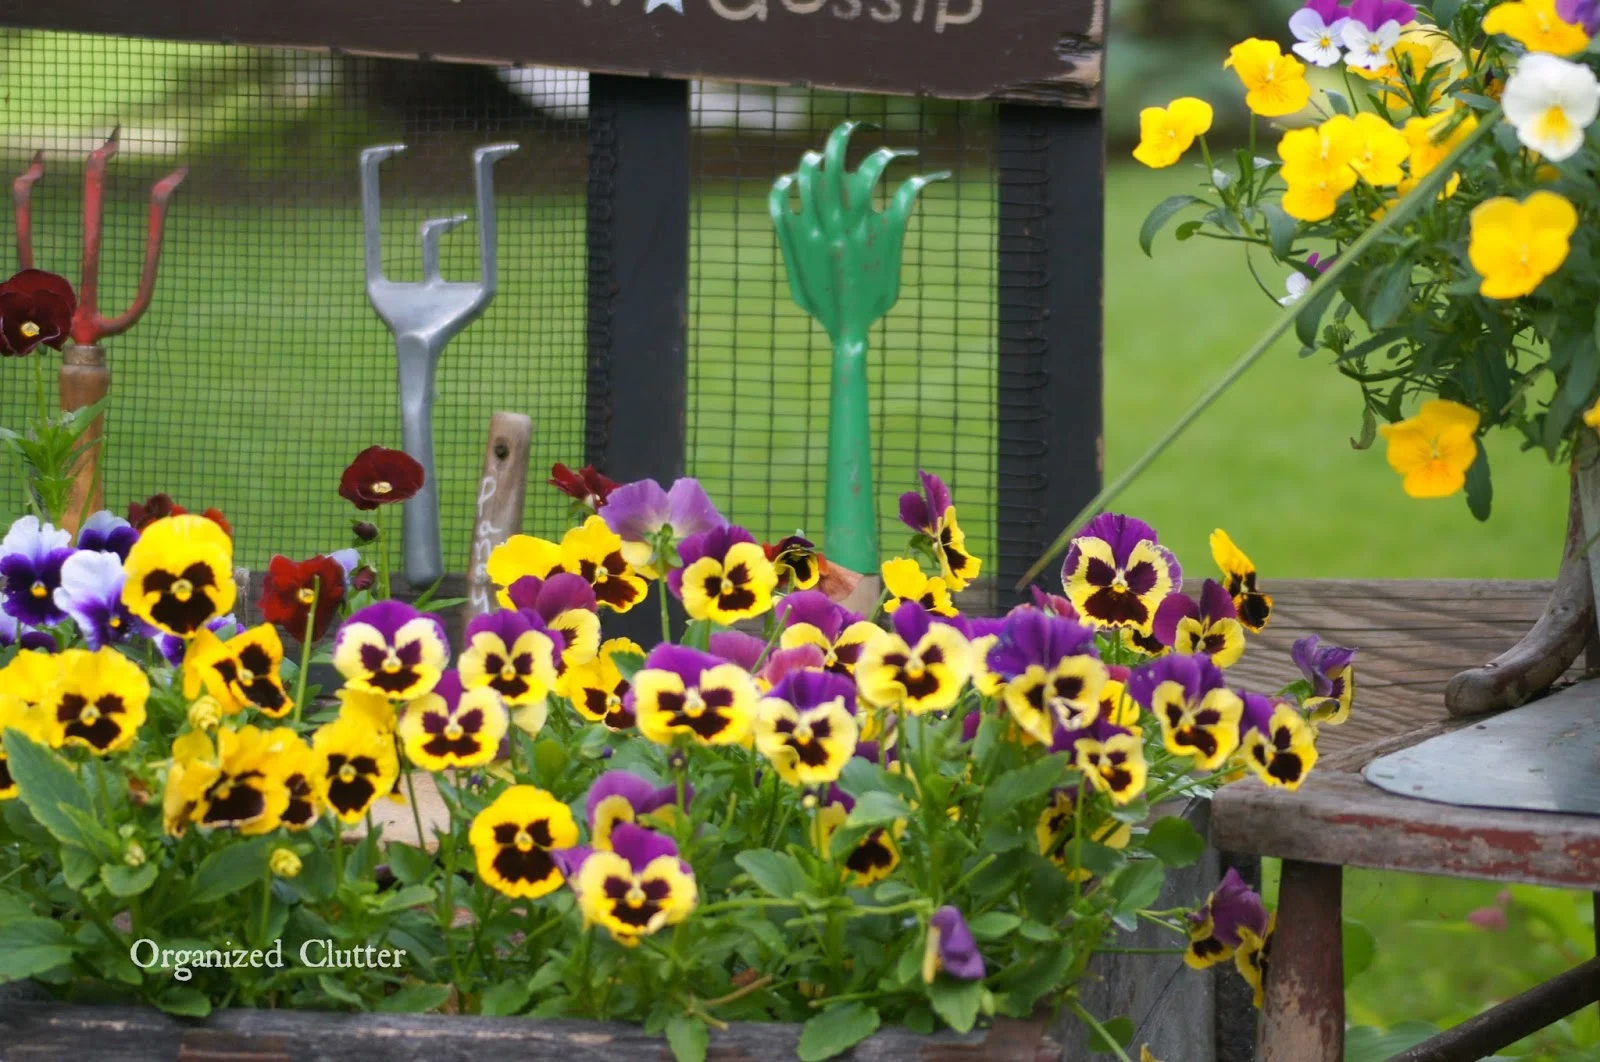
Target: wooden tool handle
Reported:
[(500, 495), (85, 379)]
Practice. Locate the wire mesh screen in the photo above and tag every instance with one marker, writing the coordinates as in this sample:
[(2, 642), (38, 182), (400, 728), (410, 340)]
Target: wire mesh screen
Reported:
[(261, 369), (760, 368)]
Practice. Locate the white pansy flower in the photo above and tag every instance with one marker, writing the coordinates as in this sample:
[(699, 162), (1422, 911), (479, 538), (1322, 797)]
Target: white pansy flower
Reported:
[(1318, 41), (1297, 285), (1551, 102), (1369, 49)]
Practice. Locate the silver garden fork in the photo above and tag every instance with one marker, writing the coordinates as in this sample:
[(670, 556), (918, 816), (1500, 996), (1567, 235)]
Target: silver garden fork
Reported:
[(424, 316)]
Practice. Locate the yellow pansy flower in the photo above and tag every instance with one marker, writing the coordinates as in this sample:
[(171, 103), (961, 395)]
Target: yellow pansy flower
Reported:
[(1535, 24), (1165, 133), (1275, 84), (1434, 449), (1514, 246)]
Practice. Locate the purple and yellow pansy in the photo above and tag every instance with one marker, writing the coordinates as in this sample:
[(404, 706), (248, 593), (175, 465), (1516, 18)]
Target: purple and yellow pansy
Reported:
[(1210, 627), (636, 888), (1199, 715), (1331, 671), (1276, 741), (511, 653), (454, 725), (1116, 573), (806, 727), (391, 649), (931, 512), (683, 691), (920, 665), (597, 690), (1053, 679), (810, 618), (514, 838), (726, 576)]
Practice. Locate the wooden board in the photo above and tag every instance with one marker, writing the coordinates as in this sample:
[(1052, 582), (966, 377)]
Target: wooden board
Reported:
[(1021, 51)]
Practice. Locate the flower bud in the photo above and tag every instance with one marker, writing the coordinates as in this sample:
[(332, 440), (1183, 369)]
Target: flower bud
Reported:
[(205, 713), (133, 855), (365, 530), (363, 578), (284, 863)]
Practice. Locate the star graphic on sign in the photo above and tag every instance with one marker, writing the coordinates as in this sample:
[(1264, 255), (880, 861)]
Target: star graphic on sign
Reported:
[(651, 5)]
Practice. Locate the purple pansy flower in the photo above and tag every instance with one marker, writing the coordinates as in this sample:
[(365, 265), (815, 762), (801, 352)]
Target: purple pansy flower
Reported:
[(1373, 14), (91, 593), (638, 511), (711, 543), (1052, 676), (1214, 929), (815, 608), (106, 532), (931, 512), (391, 649), (951, 948), (1585, 13), (1276, 741), (1029, 637), (31, 556), (810, 618), (685, 691), (549, 598), (1331, 672), (1199, 715), (1117, 573), (737, 647), (923, 511), (618, 797), (512, 652), (1210, 626)]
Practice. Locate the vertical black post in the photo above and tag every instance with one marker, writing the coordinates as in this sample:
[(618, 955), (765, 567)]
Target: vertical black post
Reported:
[(1051, 165), (638, 230)]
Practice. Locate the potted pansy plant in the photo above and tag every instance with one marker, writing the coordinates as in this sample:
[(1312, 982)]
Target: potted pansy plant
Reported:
[(831, 822)]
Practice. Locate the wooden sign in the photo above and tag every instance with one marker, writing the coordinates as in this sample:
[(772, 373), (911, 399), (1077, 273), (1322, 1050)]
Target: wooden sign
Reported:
[(1021, 51), (499, 504)]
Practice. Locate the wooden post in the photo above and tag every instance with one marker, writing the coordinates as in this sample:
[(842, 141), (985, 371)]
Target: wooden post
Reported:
[(500, 496), (84, 380), (1303, 1019)]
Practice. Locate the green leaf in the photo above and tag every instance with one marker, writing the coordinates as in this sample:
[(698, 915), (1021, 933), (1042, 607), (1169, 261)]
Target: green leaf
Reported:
[(1337, 101), (877, 809), (956, 1001), (1175, 842), (628, 664), (401, 899), (415, 999), (1369, 430), (688, 1037), (184, 1001), (333, 989), (1480, 488), (775, 873), (549, 759), (1366, 1044), (1360, 947), (992, 925), (1138, 884), (31, 946), (409, 863), (1392, 294), (861, 776), (1308, 318), (836, 1030), (78, 867), (123, 880), (227, 870), (1163, 213), (1023, 784), (1119, 1029), (49, 787), (1281, 229), (1583, 371)]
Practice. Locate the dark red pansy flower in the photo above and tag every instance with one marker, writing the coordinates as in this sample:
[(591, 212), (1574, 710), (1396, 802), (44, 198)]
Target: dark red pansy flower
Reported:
[(380, 476), (216, 517), (585, 485), (142, 514), (290, 587), (35, 307)]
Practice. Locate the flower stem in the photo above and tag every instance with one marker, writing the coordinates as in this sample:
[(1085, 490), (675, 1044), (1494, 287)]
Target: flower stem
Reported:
[(666, 618), (305, 647), (416, 812), (382, 542), (1424, 192), (1089, 1020)]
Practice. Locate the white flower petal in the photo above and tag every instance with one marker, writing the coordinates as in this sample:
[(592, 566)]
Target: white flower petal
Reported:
[(1317, 55), (1307, 25), (27, 535), (1551, 102)]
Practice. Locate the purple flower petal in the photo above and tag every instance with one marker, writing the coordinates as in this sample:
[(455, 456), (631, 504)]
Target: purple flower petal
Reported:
[(737, 647), (91, 593), (1215, 603), (1257, 713), (387, 617), (786, 662), (1327, 10), (635, 790), (506, 624), (712, 543), (687, 663), (958, 951), (105, 532), (570, 861), (1196, 674), (1033, 637), (1585, 13), (808, 689), (690, 510), (1234, 905), (911, 621), (636, 511), (639, 846), (563, 592), (914, 512), (815, 607), (1173, 610)]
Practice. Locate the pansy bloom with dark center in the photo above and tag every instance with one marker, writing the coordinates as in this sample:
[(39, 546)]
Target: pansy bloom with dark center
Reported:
[(356, 764), (105, 532), (380, 476), (391, 649), (1276, 741), (905, 581), (586, 486), (1116, 574), (618, 797), (874, 857), (241, 786), (1052, 676), (297, 765), (31, 556), (566, 604), (951, 948), (597, 689), (180, 574), (35, 307), (1331, 671), (16, 714), (1214, 928), (684, 691), (798, 562), (1254, 608), (638, 887), (921, 666), (1253, 956), (292, 588), (1116, 706), (1055, 831), (807, 727), (932, 513), (983, 635), (726, 576), (91, 593), (1110, 757), (510, 653), (513, 837), (453, 727), (810, 618), (241, 672), (31, 675), (593, 552), (1210, 627), (642, 513), (1199, 715), (97, 700)]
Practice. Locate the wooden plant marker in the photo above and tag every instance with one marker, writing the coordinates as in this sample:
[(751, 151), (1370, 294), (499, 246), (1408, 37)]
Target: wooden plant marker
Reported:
[(84, 380), (500, 496)]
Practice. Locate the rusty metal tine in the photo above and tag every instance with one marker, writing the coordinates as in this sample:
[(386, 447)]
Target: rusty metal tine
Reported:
[(22, 197), (160, 197), (94, 187), (432, 229), (370, 218)]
